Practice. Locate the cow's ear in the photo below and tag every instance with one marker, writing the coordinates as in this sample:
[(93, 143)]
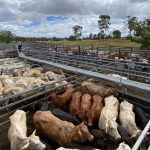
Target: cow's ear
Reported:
[(82, 123), (106, 126), (34, 132)]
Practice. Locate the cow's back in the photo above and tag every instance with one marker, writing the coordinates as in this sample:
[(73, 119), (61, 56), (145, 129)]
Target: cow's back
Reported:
[(17, 130), (49, 125)]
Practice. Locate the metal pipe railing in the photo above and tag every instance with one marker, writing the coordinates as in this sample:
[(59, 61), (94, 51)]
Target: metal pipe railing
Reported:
[(141, 137)]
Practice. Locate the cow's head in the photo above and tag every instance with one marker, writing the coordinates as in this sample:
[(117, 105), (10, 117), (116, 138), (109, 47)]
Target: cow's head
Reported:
[(111, 91), (51, 96), (83, 133), (123, 146), (34, 143), (126, 106), (90, 116), (111, 128)]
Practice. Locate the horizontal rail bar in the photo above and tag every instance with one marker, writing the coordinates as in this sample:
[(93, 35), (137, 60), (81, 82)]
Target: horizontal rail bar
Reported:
[(135, 84)]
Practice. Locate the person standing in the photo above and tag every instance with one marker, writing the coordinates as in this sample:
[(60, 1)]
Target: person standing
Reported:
[(20, 47)]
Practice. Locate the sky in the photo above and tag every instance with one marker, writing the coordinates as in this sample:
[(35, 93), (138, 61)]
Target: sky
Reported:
[(55, 18)]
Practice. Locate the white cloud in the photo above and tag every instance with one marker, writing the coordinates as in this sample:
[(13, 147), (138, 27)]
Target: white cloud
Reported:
[(16, 14)]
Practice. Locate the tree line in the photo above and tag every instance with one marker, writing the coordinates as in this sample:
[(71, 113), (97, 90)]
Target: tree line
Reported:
[(139, 31)]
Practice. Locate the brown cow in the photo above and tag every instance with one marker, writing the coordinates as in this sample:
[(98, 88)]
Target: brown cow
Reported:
[(85, 107), (61, 100), (95, 110), (99, 89), (75, 103), (62, 132)]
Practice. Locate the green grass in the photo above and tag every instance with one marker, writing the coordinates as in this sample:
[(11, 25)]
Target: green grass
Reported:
[(99, 43)]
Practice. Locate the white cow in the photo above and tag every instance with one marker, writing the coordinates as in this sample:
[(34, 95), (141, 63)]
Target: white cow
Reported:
[(127, 118), (118, 76), (49, 75), (17, 134), (123, 146), (107, 121)]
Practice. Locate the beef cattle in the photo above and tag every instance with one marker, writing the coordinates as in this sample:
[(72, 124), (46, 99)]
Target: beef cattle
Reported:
[(95, 89), (125, 137), (62, 148), (85, 107), (140, 117), (103, 140), (62, 132), (33, 73), (127, 119), (17, 134), (61, 100), (123, 146), (81, 146), (109, 114), (75, 103), (65, 116), (39, 105), (12, 91), (49, 75), (95, 110)]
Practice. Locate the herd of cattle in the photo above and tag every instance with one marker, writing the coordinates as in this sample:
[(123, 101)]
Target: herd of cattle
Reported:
[(91, 117), (17, 77)]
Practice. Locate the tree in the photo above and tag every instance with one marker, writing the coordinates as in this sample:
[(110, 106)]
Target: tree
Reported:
[(142, 33), (94, 36), (100, 35), (104, 23), (72, 38), (116, 34), (132, 23), (77, 31), (90, 36), (6, 36)]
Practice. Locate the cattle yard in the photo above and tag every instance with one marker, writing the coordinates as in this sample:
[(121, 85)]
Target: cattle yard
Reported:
[(73, 64)]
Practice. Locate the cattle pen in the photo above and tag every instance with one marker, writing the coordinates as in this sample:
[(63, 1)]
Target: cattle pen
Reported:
[(79, 68)]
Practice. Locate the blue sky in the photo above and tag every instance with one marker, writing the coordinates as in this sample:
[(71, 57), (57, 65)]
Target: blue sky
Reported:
[(32, 24), (51, 18), (56, 18)]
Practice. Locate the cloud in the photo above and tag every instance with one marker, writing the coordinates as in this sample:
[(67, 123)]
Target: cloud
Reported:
[(57, 17)]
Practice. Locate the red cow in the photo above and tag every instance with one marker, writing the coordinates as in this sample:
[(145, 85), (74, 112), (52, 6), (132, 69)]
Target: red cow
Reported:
[(61, 100), (75, 103), (85, 107), (95, 110)]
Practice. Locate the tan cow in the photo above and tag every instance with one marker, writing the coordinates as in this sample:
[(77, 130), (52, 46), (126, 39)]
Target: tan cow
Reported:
[(75, 103), (100, 89), (85, 107), (109, 114), (95, 110), (33, 73), (17, 134), (62, 132), (127, 118)]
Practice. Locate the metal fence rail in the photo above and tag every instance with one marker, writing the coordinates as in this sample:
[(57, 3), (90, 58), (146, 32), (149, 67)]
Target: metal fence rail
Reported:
[(27, 98), (140, 72), (141, 137)]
